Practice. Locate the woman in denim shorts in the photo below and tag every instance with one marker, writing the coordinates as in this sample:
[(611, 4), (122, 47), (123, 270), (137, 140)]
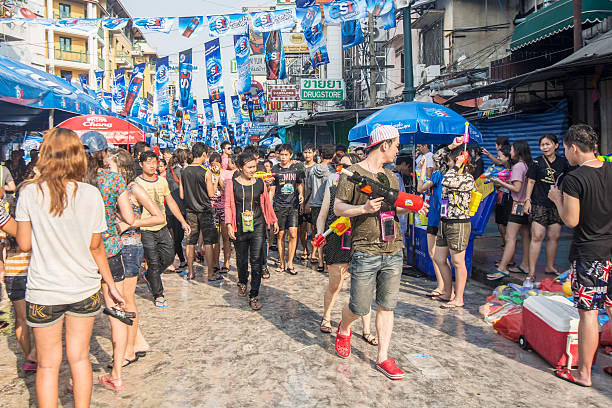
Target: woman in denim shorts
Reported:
[(132, 252)]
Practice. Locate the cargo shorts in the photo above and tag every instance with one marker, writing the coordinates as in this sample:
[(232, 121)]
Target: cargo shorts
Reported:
[(455, 235), (369, 272)]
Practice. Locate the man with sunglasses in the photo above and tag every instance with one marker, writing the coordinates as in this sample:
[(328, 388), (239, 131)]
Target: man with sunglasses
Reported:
[(377, 248), (226, 152)]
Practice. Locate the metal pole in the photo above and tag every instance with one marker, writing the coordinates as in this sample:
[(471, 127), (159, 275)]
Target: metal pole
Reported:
[(577, 25), (409, 90), (51, 111)]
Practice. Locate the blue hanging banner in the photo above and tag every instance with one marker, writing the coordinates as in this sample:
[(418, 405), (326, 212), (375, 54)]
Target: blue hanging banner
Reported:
[(99, 79), (185, 76), (379, 8), (83, 79), (88, 25), (265, 21), (208, 111), (190, 25), (274, 55), (261, 96), (308, 16), (133, 90), (388, 19), (316, 45), (227, 24), (222, 112), (162, 98), (236, 108), (118, 90), (154, 24), (352, 34), (248, 100), (344, 10), (242, 47), (115, 23), (212, 55)]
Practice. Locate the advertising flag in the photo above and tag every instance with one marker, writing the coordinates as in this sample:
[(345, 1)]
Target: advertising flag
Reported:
[(274, 55), (227, 24), (265, 21), (243, 62), (351, 34), (212, 55), (344, 10), (379, 8), (388, 19), (162, 99), (154, 24), (261, 96), (185, 76), (88, 25), (316, 45), (118, 90), (99, 79), (114, 23), (133, 90), (222, 112), (83, 79), (308, 16), (248, 100), (190, 25), (208, 111), (236, 108)]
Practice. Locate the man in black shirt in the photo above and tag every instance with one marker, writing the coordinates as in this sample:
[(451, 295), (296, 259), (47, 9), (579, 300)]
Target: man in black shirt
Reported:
[(287, 192), (197, 186), (138, 149), (586, 207)]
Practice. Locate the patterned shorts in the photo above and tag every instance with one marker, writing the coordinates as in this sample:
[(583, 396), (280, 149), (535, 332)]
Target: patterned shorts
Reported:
[(591, 284), (48, 315), (545, 215)]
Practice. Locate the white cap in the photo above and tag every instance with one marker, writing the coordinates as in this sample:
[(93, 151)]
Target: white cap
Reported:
[(382, 133)]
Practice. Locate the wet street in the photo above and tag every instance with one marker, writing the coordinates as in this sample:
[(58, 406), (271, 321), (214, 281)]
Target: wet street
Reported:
[(210, 349)]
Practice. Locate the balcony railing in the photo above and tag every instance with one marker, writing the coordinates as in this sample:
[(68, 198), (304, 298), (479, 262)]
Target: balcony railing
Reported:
[(101, 63), (74, 56), (122, 57)]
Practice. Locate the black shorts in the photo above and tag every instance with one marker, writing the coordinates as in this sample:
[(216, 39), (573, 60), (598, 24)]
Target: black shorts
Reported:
[(591, 284), (314, 215), (15, 287), (48, 315), (115, 263), (287, 217), (544, 215), (519, 219), (304, 219), (502, 210), (202, 222), (432, 230)]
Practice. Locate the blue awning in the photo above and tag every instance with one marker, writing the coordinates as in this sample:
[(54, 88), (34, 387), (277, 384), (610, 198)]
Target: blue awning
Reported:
[(26, 94)]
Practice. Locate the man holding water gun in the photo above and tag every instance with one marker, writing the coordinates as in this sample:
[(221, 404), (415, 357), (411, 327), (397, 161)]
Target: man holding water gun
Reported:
[(377, 244)]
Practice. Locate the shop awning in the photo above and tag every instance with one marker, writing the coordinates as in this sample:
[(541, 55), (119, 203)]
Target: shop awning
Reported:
[(555, 18), (27, 93), (116, 130)]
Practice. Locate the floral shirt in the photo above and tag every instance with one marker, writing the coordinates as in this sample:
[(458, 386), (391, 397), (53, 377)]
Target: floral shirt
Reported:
[(111, 185), (132, 235)]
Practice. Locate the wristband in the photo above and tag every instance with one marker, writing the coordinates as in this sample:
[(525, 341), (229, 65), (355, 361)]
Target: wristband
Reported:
[(528, 199)]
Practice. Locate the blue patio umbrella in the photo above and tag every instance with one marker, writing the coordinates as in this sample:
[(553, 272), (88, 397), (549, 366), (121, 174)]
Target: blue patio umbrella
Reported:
[(417, 122)]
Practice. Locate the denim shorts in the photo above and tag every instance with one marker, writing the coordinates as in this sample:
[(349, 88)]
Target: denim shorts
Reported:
[(15, 287), (383, 272), (132, 259)]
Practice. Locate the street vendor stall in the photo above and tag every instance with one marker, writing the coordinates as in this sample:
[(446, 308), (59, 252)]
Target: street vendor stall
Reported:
[(428, 123)]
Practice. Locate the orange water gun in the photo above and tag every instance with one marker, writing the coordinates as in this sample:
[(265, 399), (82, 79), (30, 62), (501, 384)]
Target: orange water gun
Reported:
[(263, 175), (339, 226)]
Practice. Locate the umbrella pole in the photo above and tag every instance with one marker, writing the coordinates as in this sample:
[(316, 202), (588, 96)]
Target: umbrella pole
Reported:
[(413, 232)]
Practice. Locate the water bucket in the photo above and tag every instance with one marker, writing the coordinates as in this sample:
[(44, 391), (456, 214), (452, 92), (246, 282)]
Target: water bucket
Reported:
[(474, 203)]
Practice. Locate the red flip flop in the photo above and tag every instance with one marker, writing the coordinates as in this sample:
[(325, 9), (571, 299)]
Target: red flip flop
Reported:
[(343, 343), (566, 374)]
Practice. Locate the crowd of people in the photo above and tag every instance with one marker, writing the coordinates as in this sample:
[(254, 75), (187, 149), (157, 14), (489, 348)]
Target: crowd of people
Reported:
[(86, 221)]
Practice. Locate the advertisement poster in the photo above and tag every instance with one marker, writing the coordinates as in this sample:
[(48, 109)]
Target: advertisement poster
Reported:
[(344, 10), (133, 90), (185, 77), (308, 16), (274, 55), (190, 25), (162, 99), (208, 111), (236, 109), (243, 62), (316, 45), (227, 24), (154, 24), (99, 79), (212, 55), (115, 23)]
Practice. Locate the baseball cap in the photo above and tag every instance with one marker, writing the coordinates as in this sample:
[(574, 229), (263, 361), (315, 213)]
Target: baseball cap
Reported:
[(382, 133), (94, 141)]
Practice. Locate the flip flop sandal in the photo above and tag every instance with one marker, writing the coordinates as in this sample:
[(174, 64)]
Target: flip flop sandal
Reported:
[(218, 278), (265, 273), (29, 366), (224, 270), (125, 363), (448, 307), (320, 268), (291, 271), (518, 269), (109, 382), (160, 304), (141, 354), (555, 273), (439, 298), (343, 343), (566, 374), (433, 293), (3, 325), (510, 264), (370, 338), (497, 275), (325, 326), (121, 315)]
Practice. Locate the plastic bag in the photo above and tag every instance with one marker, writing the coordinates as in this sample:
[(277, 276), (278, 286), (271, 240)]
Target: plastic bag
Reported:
[(510, 326), (550, 285)]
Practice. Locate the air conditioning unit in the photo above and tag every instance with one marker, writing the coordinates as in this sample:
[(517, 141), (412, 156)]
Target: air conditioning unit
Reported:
[(419, 75)]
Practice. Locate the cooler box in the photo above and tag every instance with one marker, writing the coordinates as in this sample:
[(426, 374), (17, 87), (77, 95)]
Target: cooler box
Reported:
[(550, 327)]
